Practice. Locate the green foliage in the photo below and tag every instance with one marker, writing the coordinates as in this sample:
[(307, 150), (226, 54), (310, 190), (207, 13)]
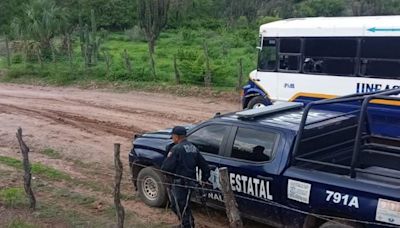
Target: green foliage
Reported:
[(266, 19), (313, 8), (13, 197), (135, 34)]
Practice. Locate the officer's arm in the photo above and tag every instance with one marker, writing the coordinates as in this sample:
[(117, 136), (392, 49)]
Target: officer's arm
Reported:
[(170, 161), (203, 165)]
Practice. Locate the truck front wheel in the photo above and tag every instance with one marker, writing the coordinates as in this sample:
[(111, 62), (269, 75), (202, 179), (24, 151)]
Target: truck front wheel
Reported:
[(258, 102), (151, 188)]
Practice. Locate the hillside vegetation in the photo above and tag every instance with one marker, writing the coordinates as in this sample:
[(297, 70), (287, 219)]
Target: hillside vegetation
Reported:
[(195, 42)]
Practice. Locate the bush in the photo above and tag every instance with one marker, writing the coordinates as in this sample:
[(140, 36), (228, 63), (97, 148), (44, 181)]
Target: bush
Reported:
[(187, 36), (242, 22), (135, 34), (17, 58)]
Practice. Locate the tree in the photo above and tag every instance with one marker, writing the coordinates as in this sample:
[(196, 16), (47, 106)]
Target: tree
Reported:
[(41, 21), (152, 16), (313, 8)]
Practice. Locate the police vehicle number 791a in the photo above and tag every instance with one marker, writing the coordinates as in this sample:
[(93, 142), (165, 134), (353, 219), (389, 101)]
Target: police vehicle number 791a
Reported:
[(288, 163)]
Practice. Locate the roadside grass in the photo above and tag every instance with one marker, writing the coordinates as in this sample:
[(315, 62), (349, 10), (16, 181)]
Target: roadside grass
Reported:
[(51, 153), (225, 48), (21, 223), (72, 203), (13, 197), (37, 169)]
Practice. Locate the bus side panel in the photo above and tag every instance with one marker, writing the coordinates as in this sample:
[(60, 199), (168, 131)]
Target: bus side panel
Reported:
[(293, 85)]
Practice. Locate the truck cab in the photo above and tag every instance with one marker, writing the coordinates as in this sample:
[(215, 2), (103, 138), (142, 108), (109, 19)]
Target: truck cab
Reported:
[(290, 165)]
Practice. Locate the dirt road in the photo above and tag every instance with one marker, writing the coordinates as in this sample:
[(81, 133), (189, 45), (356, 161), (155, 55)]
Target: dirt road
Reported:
[(84, 124)]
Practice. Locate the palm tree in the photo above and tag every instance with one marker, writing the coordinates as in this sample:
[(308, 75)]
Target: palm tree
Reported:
[(41, 22)]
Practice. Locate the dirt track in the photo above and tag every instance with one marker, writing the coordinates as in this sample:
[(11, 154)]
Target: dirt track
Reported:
[(84, 124)]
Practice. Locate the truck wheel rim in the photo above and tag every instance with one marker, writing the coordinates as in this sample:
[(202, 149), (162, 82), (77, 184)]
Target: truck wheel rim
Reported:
[(258, 105), (150, 188)]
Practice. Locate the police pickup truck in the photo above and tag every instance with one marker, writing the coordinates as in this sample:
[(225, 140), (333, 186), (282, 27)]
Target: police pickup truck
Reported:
[(292, 166)]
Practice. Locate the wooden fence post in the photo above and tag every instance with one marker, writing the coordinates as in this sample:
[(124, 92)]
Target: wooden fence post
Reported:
[(207, 76), (117, 188), (27, 170), (177, 76), (230, 202), (240, 74), (8, 52), (127, 62)]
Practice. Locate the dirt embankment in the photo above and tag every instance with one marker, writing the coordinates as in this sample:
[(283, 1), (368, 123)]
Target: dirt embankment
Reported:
[(83, 126)]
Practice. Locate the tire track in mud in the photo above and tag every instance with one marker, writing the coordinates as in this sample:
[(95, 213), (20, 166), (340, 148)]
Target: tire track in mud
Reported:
[(117, 108), (83, 123)]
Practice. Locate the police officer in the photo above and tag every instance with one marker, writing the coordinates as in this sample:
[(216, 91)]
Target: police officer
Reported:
[(182, 161)]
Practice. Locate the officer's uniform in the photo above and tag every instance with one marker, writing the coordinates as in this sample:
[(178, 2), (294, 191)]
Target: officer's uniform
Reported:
[(182, 161)]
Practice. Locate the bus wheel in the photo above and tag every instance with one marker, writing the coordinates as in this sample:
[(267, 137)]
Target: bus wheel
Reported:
[(258, 102)]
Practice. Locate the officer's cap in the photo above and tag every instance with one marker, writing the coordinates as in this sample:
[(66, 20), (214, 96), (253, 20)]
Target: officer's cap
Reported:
[(179, 130)]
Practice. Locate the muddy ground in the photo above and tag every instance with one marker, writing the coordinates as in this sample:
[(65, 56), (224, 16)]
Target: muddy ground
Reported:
[(73, 131)]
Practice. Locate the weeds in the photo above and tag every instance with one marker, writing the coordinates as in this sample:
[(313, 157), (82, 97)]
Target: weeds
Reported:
[(49, 152), (37, 168), (20, 223), (13, 197)]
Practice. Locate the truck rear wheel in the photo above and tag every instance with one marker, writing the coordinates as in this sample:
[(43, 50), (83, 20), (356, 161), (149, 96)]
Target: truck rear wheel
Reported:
[(258, 102), (151, 188), (338, 225)]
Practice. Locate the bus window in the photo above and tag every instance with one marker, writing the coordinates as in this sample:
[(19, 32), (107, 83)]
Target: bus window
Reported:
[(267, 56), (380, 57), (289, 54), (334, 56)]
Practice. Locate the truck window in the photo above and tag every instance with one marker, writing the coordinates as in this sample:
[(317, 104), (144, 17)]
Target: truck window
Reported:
[(209, 138), (253, 145), (267, 55)]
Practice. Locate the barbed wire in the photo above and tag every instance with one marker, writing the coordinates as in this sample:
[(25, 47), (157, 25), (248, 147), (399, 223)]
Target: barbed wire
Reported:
[(328, 218)]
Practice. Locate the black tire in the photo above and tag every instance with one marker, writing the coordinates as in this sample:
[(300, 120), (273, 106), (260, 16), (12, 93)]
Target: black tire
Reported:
[(257, 101), (338, 225), (151, 190)]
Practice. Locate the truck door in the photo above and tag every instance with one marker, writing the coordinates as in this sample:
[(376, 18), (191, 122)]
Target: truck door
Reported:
[(211, 139), (250, 157)]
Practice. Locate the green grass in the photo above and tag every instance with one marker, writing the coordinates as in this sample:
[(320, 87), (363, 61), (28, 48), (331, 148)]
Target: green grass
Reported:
[(37, 169), (225, 48), (20, 223), (13, 197), (49, 152)]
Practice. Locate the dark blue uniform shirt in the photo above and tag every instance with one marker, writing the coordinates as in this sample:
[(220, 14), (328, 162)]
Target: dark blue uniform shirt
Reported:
[(183, 161)]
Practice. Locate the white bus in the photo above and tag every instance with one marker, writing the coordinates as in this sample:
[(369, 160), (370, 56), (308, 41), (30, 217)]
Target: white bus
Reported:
[(324, 57)]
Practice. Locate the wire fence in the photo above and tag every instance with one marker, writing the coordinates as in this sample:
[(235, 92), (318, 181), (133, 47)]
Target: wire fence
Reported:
[(327, 218), (108, 66)]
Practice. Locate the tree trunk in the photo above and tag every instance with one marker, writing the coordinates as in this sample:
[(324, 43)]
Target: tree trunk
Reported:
[(127, 62), (69, 50), (152, 62), (8, 53), (207, 76), (39, 57), (240, 74)]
